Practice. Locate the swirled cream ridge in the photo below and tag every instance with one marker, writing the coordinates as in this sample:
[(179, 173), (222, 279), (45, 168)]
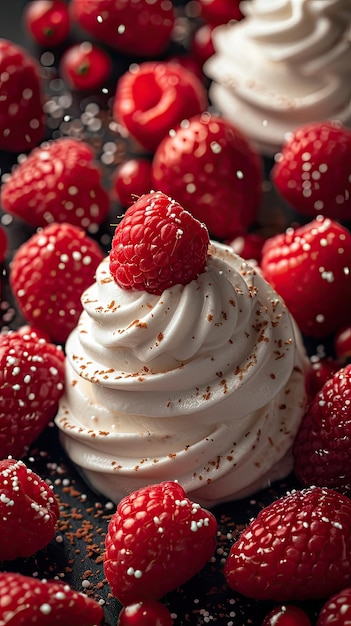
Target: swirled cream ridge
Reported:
[(204, 384), (287, 63)]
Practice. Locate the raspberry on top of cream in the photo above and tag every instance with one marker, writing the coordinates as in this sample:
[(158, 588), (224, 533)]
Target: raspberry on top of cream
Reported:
[(203, 383), (285, 64)]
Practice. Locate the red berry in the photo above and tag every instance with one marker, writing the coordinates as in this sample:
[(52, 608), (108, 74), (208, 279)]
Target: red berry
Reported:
[(156, 245), (28, 511), (31, 384), (31, 331), (22, 119), (248, 246), (153, 97), (211, 169), (342, 344), (85, 66), (150, 538), (27, 600), (48, 275), (322, 445), (47, 21), (187, 61), (320, 371), (58, 182), (337, 610), (313, 171), (201, 45), (146, 613), (220, 11), (310, 268), (131, 179), (134, 27), (297, 548), (286, 615)]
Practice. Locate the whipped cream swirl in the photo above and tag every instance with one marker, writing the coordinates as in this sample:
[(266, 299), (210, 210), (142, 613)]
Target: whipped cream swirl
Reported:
[(203, 384), (287, 63)]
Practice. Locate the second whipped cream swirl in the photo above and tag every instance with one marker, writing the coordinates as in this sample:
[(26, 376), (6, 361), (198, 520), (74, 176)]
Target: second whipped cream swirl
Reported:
[(285, 64)]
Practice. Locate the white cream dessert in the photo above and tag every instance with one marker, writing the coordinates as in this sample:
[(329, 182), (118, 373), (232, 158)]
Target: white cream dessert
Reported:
[(287, 63), (203, 384)]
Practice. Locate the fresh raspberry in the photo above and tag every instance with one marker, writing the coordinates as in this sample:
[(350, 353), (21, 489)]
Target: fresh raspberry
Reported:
[(48, 274), (47, 21), (22, 119), (297, 548), (28, 511), (209, 167), (337, 610), (286, 615), (45, 602), (85, 66), (31, 384), (28, 331), (150, 538), (134, 27), (201, 44), (322, 445), (154, 97), (58, 182), (218, 12), (131, 179), (156, 245), (310, 268), (313, 170), (248, 246), (188, 61), (147, 613)]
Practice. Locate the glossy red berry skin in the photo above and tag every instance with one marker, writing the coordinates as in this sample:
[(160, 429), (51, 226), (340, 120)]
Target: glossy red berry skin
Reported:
[(201, 46), (220, 11), (48, 274), (31, 384), (85, 66), (133, 27), (337, 610), (322, 445), (286, 615), (149, 540), (309, 267), (248, 246), (22, 93), (131, 180), (44, 602), (47, 21), (279, 553), (28, 523), (154, 97), (59, 181), (312, 172), (213, 171), (146, 613)]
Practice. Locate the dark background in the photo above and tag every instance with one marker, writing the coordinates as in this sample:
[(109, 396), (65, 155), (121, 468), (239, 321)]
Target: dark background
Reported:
[(11, 20)]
